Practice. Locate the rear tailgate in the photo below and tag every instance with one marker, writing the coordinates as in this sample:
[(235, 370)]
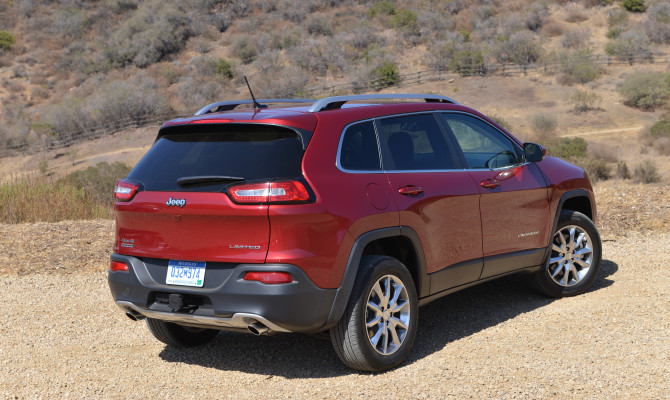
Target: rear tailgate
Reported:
[(182, 211), (208, 227)]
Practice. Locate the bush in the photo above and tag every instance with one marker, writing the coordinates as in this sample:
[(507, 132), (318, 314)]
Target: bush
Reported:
[(468, 62), (578, 67), (629, 46), (244, 49), (661, 128), (622, 170), (290, 82), (501, 121), (381, 8), (385, 75), (598, 169), (645, 90), (544, 126), (633, 5), (197, 92), (570, 148), (405, 20), (647, 172), (23, 201), (319, 25), (576, 38), (657, 23), (98, 182), (519, 48), (157, 29), (584, 100), (7, 40), (223, 68), (69, 22)]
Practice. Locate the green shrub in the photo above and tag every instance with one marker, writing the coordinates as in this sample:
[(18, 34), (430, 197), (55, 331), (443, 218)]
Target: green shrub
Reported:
[(629, 45), (578, 67), (633, 5), (405, 20), (519, 48), (468, 62), (385, 75), (645, 90), (223, 68), (647, 172), (381, 8), (661, 128), (570, 148), (544, 125), (598, 169), (156, 29), (501, 121), (584, 100), (7, 40), (98, 182), (622, 170)]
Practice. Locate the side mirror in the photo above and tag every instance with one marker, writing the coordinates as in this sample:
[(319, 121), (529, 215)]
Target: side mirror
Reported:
[(534, 152)]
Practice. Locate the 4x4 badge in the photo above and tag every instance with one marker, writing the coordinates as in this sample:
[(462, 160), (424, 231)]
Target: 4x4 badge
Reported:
[(175, 202)]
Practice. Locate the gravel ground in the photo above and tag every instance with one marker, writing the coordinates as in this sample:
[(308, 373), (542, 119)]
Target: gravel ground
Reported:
[(61, 336)]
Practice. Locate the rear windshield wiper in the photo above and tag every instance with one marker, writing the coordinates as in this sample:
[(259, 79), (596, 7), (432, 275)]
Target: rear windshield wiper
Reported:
[(189, 180)]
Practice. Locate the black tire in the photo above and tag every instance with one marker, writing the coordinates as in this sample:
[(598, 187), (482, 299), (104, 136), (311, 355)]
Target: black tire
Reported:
[(179, 336), (572, 282), (352, 339)]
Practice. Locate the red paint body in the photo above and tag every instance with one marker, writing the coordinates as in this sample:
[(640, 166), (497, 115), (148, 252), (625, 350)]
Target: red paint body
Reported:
[(455, 217)]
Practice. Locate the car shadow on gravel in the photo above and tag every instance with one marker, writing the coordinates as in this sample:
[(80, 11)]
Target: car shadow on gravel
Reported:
[(441, 322)]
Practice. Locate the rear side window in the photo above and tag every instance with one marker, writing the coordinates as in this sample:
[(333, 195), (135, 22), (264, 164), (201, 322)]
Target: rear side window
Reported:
[(250, 152), (359, 150), (483, 146), (413, 142)]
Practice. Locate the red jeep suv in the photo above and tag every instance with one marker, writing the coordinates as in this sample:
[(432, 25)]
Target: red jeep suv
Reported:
[(340, 215)]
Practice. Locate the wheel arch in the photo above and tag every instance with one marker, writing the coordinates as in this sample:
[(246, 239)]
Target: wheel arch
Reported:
[(575, 200), (399, 242)]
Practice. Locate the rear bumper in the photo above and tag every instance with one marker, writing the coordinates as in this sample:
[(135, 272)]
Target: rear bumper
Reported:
[(226, 301)]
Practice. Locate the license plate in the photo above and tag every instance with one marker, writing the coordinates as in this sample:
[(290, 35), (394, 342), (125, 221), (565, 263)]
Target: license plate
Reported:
[(186, 273)]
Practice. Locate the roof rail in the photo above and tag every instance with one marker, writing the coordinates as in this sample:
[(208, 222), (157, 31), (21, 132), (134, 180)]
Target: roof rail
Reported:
[(330, 103), (230, 105)]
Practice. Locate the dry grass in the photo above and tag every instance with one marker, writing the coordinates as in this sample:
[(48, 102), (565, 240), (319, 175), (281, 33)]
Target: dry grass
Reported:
[(69, 246), (625, 207), (62, 247), (34, 199)]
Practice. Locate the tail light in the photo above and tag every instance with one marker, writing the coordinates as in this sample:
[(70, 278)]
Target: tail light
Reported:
[(125, 190), (269, 192), (269, 277), (118, 266)]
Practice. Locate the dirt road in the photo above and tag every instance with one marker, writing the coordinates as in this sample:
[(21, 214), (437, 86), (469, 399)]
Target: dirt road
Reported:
[(61, 336)]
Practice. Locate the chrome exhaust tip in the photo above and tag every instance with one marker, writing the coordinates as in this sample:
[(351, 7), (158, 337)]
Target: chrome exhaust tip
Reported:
[(257, 328)]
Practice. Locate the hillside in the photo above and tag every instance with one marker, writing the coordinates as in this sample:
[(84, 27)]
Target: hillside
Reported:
[(86, 68)]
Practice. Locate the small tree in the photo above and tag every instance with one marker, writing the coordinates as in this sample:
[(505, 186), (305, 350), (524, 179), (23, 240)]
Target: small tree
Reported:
[(223, 68), (385, 75), (7, 40), (646, 90), (584, 100), (633, 5)]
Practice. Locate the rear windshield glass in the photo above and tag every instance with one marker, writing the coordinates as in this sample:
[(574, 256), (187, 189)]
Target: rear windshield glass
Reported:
[(251, 152)]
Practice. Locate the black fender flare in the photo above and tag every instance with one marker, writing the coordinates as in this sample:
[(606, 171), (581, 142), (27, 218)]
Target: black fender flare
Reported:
[(564, 197), (353, 264)]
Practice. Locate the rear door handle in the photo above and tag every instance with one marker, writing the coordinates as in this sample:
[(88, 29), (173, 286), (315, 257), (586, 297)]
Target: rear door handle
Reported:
[(410, 190), (490, 183)]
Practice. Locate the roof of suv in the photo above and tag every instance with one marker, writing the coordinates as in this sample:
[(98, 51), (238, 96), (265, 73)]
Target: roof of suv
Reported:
[(300, 113)]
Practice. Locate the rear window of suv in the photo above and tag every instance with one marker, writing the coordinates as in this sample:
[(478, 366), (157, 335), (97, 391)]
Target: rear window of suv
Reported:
[(251, 152)]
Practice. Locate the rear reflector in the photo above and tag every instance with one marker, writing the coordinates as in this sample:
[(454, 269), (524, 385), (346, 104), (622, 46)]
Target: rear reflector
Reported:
[(117, 266), (269, 277), (125, 190), (269, 192)]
